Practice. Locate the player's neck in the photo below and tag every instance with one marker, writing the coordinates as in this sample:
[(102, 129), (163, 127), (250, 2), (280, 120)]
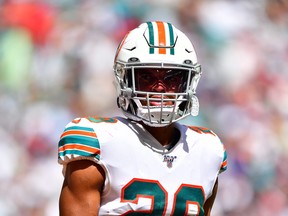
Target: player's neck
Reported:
[(166, 136)]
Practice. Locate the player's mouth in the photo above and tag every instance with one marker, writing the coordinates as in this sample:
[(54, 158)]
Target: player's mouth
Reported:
[(155, 100)]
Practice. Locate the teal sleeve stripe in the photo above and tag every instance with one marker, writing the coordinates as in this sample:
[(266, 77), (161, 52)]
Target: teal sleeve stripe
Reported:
[(151, 36), (79, 153), (88, 141), (171, 35), (225, 156), (79, 128), (223, 169)]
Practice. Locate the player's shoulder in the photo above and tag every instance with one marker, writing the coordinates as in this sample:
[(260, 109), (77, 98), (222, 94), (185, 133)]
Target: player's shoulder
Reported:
[(82, 138), (202, 132), (95, 123), (206, 135), (91, 121), (208, 140)]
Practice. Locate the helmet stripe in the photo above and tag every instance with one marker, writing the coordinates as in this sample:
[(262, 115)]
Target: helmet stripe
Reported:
[(171, 34), (161, 29), (161, 37), (151, 36)]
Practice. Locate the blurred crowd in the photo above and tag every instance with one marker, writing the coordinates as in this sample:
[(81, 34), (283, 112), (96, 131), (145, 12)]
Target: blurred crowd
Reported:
[(56, 59)]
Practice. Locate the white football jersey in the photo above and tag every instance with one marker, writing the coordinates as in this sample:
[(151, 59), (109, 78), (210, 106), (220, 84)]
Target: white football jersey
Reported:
[(143, 177)]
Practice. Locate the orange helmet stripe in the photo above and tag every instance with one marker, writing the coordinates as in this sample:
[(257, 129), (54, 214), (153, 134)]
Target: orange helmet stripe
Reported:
[(161, 37)]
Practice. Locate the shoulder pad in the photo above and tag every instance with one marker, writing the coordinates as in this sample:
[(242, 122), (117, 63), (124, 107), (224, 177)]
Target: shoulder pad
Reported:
[(78, 141)]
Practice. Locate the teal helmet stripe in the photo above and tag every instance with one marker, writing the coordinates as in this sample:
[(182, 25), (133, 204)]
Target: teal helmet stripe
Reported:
[(171, 35), (151, 36)]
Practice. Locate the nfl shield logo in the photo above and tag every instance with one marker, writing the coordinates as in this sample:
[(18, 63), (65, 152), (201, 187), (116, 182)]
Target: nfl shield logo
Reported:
[(169, 160)]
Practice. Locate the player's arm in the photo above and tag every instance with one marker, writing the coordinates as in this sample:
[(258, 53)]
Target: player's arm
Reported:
[(82, 187), (209, 202)]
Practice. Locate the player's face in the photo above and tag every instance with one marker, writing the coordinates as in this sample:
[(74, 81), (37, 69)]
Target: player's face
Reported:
[(160, 81)]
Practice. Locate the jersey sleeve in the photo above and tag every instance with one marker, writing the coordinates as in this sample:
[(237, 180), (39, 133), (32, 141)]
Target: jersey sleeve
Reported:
[(224, 161), (221, 152), (219, 145), (78, 142)]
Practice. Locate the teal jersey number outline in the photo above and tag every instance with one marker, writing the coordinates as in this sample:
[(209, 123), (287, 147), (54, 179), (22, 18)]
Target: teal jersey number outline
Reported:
[(185, 195)]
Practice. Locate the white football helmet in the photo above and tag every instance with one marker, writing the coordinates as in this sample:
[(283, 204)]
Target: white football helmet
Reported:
[(152, 51)]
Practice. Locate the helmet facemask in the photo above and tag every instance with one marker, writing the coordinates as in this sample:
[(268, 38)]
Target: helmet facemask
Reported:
[(158, 95)]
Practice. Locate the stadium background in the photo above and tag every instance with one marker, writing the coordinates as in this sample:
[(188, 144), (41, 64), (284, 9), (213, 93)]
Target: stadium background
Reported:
[(56, 61)]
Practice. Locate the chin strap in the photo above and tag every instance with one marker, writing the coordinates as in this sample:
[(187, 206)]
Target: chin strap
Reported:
[(193, 102), (195, 106)]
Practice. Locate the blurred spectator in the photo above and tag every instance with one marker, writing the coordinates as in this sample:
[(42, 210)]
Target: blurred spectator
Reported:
[(36, 17)]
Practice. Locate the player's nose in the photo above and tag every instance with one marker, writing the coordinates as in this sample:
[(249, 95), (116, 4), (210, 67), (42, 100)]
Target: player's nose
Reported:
[(159, 87)]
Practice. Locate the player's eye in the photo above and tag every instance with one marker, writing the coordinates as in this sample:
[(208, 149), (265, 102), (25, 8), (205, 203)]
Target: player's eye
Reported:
[(173, 77), (172, 80), (147, 77)]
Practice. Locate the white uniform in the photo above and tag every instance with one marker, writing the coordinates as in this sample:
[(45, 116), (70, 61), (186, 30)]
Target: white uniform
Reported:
[(141, 175)]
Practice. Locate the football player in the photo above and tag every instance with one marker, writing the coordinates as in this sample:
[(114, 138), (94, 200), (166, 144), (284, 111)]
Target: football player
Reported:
[(146, 163)]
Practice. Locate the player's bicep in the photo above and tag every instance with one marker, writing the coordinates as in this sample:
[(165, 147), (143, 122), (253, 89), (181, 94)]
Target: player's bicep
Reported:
[(82, 187)]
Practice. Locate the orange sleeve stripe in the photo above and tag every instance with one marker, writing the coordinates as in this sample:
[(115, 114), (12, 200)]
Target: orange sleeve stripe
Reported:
[(161, 37), (224, 163), (79, 147), (78, 132)]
